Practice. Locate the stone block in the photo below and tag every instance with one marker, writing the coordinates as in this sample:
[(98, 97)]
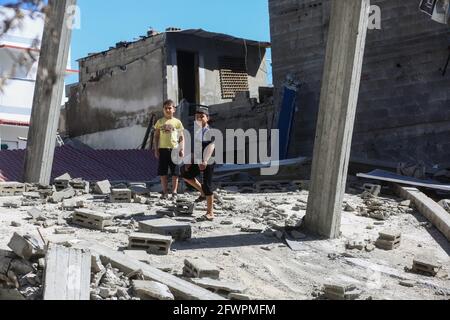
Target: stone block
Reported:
[(102, 187), (200, 268), (27, 246), (91, 219), (150, 290), (390, 235), (152, 243), (177, 230)]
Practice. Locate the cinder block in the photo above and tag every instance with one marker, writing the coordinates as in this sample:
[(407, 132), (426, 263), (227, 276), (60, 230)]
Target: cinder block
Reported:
[(62, 182), (91, 219), (120, 196), (152, 243), (10, 189), (200, 268), (387, 245), (390, 235), (426, 266), (177, 230)]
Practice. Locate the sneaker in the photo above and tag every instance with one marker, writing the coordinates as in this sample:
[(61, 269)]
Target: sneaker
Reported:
[(164, 196), (174, 196), (200, 199)]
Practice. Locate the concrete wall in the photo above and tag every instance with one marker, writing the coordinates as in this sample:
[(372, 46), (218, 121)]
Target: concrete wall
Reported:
[(404, 106), (118, 91), (209, 51)]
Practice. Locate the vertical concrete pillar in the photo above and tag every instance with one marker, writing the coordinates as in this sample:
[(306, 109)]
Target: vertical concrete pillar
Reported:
[(339, 97), (48, 92)]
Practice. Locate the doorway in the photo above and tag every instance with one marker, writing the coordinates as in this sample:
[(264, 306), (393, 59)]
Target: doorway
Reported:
[(188, 78)]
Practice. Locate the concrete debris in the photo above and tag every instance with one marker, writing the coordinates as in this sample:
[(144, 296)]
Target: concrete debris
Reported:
[(177, 230), (12, 204), (62, 182), (354, 244), (11, 189), (150, 290), (426, 265), (372, 189), (200, 268), (102, 187), (71, 205), (59, 196), (221, 287), (153, 243), (67, 274), (120, 196), (27, 246), (15, 224), (64, 231), (388, 240), (91, 219), (445, 204), (341, 292), (35, 213)]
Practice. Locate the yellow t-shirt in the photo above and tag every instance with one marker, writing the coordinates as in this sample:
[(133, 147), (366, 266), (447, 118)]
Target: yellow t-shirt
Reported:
[(170, 130)]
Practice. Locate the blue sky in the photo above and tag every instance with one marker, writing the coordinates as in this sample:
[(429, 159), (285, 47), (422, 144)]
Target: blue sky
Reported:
[(106, 22)]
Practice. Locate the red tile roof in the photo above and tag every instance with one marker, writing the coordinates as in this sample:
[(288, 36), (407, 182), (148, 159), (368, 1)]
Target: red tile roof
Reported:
[(91, 165)]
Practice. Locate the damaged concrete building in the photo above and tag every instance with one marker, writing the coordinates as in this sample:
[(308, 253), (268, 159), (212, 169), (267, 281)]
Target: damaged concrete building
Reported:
[(403, 113), (120, 88)]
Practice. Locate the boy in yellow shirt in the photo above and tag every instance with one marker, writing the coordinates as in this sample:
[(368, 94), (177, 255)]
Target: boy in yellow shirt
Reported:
[(168, 137)]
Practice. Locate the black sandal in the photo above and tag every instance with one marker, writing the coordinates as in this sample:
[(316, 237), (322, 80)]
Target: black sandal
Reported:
[(205, 218), (200, 199)]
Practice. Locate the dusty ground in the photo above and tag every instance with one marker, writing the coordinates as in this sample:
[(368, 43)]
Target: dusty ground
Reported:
[(263, 263)]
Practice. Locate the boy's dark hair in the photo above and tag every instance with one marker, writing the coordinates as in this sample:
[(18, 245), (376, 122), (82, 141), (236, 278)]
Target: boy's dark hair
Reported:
[(169, 103)]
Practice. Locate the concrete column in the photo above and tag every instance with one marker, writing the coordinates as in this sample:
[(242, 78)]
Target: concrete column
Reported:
[(48, 92), (339, 97)]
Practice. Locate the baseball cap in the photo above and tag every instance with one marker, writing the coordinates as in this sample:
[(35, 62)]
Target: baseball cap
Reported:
[(203, 110)]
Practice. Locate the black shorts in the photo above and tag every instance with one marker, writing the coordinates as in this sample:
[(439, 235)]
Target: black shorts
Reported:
[(194, 171), (166, 163)]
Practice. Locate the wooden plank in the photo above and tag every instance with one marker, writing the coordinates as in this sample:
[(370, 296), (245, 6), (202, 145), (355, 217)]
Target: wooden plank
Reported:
[(429, 208), (338, 101), (180, 288), (67, 274)]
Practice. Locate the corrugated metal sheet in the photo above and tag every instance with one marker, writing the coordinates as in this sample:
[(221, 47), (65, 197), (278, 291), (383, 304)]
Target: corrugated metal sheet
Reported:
[(91, 165)]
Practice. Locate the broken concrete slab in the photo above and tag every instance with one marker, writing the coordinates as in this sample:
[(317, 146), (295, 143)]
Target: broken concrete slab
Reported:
[(102, 187), (67, 274), (126, 213), (139, 255), (91, 219), (71, 205), (27, 246), (177, 230), (200, 268), (220, 287), (153, 243), (152, 290), (59, 196), (180, 288), (428, 208)]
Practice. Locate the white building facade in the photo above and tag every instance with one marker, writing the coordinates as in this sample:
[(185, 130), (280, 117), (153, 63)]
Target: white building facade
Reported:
[(19, 57)]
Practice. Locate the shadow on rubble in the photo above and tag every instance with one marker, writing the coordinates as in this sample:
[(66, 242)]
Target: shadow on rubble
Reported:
[(434, 232), (230, 241)]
